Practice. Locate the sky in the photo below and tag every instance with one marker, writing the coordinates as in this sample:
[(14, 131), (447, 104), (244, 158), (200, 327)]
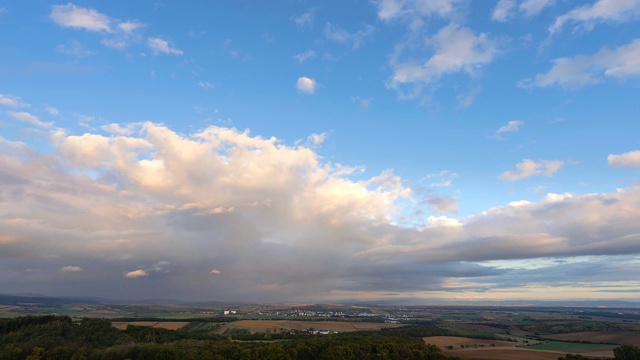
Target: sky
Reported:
[(321, 151)]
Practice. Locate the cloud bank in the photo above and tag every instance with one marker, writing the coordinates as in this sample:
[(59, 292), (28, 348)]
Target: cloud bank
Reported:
[(222, 214)]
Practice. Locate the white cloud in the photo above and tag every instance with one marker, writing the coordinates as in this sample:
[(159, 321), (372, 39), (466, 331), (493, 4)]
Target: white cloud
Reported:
[(215, 272), (136, 273), (74, 48), (80, 18), (534, 7), (116, 129), (629, 159), (528, 168), (456, 49), (70, 268), (317, 139), (511, 126), (391, 9), (306, 19), (129, 27), (305, 56), (116, 34), (306, 85), (582, 70), (503, 10), (353, 40), (587, 16), (13, 101), (205, 85), (29, 118), (52, 111), (159, 46)]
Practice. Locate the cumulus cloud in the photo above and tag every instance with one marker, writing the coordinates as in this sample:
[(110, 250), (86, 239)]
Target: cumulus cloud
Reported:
[(116, 34), (205, 85), (582, 70), (281, 223), (80, 18), (136, 273), (70, 268), (29, 118), (159, 46), (12, 101), (353, 40), (528, 168), (587, 16), (306, 85), (215, 272), (629, 159), (456, 49)]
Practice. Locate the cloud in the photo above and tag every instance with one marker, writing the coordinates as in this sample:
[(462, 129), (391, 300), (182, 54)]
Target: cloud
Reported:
[(159, 46), (391, 9), (528, 168), (116, 34), (306, 85), (52, 111), (305, 56), (353, 40), (70, 268), (503, 10), (29, 118), (305, 19), (511, 126), (582, 70), (116, 129), (136, 273), (317, 139), (534, 7), (587, 16), (205, 85), (80, 18), (215, 272), (281, 221), (629, 159), (74, 48), (456, 49), (12, 101)]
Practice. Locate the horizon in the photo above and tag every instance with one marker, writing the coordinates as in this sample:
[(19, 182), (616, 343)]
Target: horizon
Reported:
[(376, 150)]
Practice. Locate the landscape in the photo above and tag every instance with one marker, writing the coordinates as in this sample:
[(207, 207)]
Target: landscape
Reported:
[(43, 328), (319, 179)]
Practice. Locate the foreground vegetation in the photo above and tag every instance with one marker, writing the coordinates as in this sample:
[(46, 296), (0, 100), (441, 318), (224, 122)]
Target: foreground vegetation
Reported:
[(58, 337)]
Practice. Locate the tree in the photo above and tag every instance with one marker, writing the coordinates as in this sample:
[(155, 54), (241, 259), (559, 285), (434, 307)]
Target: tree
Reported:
[(627, 352)]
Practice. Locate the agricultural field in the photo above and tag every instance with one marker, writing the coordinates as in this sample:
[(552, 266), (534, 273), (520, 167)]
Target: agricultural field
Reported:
[(480, 349), (605, 337), (278, 326), (169, 325)]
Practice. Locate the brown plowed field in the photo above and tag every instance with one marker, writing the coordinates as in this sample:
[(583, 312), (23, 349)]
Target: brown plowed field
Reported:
[(610, 337), (456, 342), (505, 353)]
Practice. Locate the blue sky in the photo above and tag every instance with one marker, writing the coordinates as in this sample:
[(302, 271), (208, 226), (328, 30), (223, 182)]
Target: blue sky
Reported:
[(320, 151)]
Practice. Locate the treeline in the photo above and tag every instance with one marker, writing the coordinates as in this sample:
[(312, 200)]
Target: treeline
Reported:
[(58, 337)]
